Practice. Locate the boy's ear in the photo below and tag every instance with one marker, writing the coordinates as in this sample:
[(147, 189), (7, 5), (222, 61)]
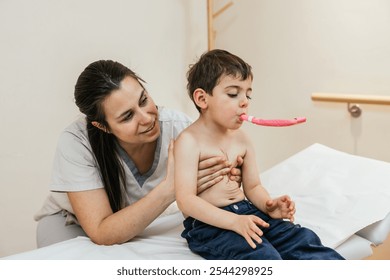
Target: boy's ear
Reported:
[(200, 98), (100, 126)]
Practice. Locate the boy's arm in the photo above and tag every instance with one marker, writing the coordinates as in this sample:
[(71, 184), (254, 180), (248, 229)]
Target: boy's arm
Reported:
[(281, 207), (252, 186), (186, 154)]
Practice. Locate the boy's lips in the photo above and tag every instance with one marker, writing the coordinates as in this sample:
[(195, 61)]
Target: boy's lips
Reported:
[(243, 117)]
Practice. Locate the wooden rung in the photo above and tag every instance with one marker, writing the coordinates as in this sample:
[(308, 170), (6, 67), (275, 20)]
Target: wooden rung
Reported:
[(210, 21), (224, 8)]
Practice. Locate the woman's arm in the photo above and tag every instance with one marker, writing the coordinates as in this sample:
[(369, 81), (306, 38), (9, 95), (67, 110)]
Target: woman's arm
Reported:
[(93, 211), (94, 214)]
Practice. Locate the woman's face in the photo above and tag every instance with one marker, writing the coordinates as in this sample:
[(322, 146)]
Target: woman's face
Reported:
[(131, 114)]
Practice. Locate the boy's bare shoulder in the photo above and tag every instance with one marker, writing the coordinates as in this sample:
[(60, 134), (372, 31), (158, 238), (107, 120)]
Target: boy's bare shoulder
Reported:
[(241, 135), (187, 135)]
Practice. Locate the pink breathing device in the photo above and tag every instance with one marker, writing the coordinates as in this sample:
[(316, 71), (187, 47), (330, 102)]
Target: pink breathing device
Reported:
[(257, 121)]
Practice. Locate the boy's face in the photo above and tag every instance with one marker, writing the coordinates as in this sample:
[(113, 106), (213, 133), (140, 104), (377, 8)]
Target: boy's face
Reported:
[(230, 99)]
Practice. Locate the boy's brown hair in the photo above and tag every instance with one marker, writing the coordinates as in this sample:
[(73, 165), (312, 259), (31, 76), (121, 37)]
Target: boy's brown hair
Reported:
[(211, 66)]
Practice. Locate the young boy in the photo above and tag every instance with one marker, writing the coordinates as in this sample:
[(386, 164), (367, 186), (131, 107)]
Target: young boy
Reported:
[(226, 221)]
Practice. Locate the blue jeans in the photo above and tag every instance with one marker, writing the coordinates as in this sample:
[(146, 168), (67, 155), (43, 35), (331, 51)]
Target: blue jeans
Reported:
[(282, 240)]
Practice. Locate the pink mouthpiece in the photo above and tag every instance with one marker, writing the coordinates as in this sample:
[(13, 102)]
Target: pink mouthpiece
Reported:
[(263, 122)]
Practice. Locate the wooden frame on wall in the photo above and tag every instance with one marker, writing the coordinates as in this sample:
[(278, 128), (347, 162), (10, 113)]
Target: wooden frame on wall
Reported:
[(210, 21)]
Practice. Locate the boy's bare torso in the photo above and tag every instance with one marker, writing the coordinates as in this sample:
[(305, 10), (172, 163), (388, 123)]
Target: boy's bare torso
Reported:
[(226, 191)]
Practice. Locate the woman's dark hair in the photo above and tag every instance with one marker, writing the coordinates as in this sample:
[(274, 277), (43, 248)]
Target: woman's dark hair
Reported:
[(206, 73), (94, 84)]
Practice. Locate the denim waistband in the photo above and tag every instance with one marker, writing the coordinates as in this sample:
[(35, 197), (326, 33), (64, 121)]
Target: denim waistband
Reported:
[(241, 207)]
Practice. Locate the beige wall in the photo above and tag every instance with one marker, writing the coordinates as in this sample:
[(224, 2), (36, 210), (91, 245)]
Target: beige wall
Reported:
[(295, 47), (305, 46), (44, 46)]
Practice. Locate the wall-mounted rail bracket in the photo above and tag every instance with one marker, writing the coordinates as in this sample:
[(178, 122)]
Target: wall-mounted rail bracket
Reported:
[(352, 100), (354, 110)]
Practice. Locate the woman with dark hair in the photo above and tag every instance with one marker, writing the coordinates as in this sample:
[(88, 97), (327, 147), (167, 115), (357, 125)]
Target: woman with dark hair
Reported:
[(113, 168)]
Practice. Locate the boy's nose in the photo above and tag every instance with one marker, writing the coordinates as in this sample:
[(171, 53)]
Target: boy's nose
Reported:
[(244, 102)]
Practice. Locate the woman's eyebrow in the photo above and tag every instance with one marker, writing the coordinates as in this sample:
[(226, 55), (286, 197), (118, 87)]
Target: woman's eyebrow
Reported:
[(125, 113)]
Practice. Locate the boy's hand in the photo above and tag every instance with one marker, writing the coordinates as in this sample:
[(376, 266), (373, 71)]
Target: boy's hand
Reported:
[(235, 172), (281, 208), (248, 226)]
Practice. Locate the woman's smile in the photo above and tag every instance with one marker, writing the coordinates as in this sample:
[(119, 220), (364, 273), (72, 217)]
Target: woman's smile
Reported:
[(150, 128)]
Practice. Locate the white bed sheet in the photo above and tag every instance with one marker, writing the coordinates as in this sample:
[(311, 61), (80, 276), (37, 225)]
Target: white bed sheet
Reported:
[(336, 194), (355, 248), (160, 241)]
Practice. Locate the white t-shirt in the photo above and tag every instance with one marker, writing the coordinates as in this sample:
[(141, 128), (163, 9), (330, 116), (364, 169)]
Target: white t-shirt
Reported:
[(75, 168)]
